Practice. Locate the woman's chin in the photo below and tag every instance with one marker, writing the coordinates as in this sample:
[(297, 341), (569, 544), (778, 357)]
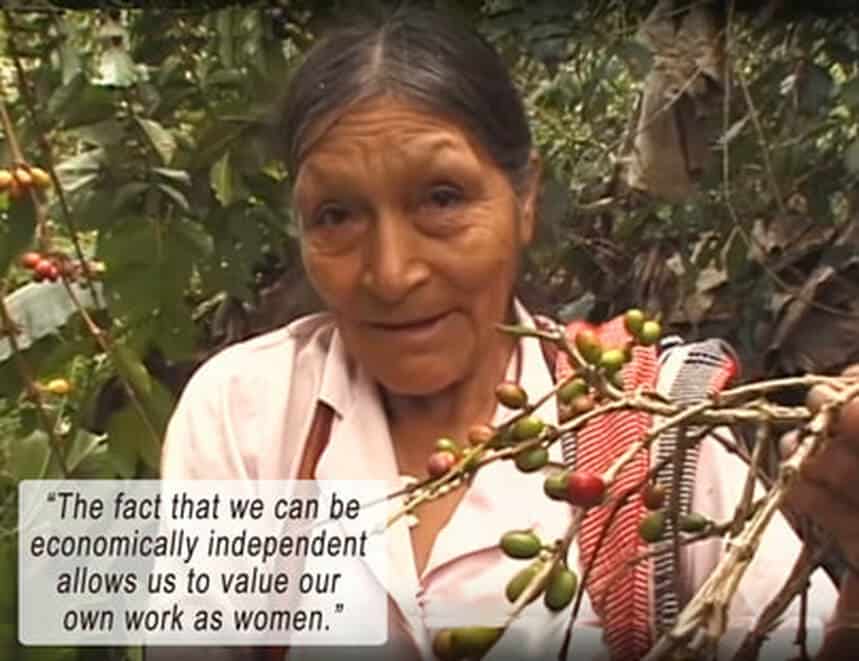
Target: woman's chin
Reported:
[(420, 382)]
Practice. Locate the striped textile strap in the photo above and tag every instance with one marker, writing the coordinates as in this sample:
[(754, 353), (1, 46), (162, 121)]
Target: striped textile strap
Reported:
[(624, 606), (704, 368), (644, 603)]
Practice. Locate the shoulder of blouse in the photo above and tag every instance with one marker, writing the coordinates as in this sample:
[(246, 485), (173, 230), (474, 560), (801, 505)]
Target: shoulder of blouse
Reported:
[(275, 354), (239, 400)]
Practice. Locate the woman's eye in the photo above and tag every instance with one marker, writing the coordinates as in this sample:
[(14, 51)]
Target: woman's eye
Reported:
[(330, 217), (445, 196)]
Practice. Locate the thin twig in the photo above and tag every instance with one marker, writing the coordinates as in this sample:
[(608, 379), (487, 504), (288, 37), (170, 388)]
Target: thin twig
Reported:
[(807, 561), (705, 617), (49, 164)]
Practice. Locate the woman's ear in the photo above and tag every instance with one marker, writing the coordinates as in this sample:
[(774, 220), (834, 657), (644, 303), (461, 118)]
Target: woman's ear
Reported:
[(530, 198)]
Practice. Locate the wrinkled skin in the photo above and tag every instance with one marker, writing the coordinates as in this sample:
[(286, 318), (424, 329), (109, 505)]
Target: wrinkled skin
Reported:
[(404, 220), (826, 492), (827, 487)]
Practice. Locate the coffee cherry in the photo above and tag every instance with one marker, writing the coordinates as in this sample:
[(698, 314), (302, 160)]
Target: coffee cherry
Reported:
[(58, 387), (516, 586), (589, 345), (520, 544), (565, 413), (511, 395), (15, 189), (652, 526), (440, 463), (653, 496), (634, 321), (5, 179), (555, 485), (24, 178), (532, 460), (442, 646), (612, 360), (527, 427), (449, 445), (46, 270), (474, 642), (693, 522), (585, 489), (480, 434), (650, 333), (40, 178), (583, 404), (561, 588), (571, 390), (29, 260)]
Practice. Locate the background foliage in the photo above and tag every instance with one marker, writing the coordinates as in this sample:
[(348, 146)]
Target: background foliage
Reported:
[(158, 125)]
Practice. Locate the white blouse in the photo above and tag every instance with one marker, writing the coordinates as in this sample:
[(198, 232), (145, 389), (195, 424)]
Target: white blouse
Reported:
[(246, 413)]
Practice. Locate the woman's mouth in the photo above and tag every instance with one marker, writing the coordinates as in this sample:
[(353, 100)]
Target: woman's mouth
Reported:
[(417, 329)]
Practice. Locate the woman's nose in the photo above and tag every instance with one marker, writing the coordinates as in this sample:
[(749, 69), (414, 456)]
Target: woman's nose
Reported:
[(394, 263)]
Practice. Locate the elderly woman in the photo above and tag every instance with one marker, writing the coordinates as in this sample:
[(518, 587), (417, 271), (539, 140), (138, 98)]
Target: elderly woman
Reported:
[(416, 186)]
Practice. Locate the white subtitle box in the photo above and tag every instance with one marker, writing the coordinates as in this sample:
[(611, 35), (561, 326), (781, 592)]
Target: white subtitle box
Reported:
[(151, 562)]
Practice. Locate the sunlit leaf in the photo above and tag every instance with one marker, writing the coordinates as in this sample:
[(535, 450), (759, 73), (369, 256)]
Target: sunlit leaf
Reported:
[(160, 138), (116, 69), (851, 157)]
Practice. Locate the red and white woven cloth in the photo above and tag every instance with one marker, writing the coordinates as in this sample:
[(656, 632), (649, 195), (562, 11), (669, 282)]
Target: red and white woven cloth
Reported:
[(624, 606)]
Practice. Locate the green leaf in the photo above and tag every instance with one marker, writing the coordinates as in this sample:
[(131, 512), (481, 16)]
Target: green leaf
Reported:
[(98, 465), (9, 638), (193, 239), (122, 428), (225, 77), (8, 586), (16, 231), (49, 654), (851, 157), (64, 94), (106, 133), (83, 446), (177, 196), (736, 256), (29, 456), (214, 139), (116, 69), (179, 176), (129, 192), (70, 61), (224, 29), (58, 360), (130, 434), (132, 241), (132, 295), (225, 182), (815, 90), (850, 93), (84, 104), (160, 138), (176, 335), (155, 400)]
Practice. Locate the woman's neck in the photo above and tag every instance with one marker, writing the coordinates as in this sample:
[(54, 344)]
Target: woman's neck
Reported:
[(464, 403)]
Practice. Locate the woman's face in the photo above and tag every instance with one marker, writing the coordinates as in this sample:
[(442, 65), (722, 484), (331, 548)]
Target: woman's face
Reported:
[(410, 234)]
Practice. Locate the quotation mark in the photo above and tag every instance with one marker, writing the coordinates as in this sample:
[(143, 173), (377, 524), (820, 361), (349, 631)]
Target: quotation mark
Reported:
[(52, 496), (338, 608)]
